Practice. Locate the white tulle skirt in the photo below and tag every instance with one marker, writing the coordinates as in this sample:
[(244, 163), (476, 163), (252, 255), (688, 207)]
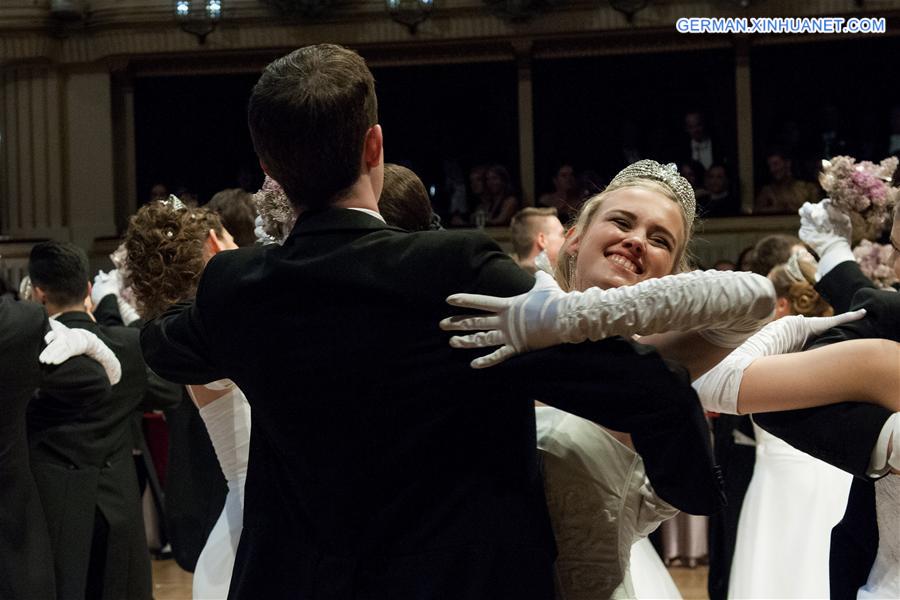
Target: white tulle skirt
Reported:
[(784, 532), (649, 577)]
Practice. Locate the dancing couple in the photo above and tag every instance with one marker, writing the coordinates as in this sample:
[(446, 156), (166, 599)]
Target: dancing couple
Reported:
[(380, 463)]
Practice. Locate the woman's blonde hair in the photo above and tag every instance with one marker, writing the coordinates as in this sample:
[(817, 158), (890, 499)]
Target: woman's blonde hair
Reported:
[(797, 288), (564, 271)]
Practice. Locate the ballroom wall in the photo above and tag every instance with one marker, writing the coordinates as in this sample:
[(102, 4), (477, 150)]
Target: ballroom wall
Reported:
[(67, 151)]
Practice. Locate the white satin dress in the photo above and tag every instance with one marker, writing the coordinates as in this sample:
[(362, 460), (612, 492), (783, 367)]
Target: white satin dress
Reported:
[(784, 532), (228, 423)]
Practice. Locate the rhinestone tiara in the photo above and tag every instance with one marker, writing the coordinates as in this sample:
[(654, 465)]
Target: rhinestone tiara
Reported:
[(667, 175)]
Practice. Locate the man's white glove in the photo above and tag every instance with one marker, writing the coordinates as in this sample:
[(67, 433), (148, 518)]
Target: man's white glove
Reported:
[(827, 231), (718, 388), (64, 343), (735, 303)]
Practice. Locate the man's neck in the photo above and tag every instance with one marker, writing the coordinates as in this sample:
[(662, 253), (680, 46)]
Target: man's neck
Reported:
[(53, 309), (360, 195)]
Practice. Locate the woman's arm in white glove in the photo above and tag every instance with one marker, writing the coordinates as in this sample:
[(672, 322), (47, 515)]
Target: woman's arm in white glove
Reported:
[(759, 377), (732, 304), (111, 283), (63, 343)]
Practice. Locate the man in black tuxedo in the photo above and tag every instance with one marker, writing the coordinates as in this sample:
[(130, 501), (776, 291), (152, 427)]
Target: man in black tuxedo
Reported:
[(81, 453), (851, 436), (26, 559), (381, 464)]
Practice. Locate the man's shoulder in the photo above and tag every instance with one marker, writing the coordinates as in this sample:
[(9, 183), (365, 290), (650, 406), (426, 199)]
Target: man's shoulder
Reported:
[(21, 317)]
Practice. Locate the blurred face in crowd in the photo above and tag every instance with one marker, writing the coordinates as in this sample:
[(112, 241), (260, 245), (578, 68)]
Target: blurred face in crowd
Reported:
[(159, 192), (476, 181), (554, 235), (494, 182), (688, 173), (779, 167), (636, 234), (716, 182), (693, 125), (217, 242), (565, 179)]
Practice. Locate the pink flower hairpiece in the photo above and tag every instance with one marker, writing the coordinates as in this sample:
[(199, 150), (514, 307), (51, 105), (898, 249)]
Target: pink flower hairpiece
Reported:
[(275, 210), (861, 190), (876, 262)]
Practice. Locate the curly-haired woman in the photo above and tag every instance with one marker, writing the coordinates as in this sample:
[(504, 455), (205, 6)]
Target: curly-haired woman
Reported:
[(168, 246)]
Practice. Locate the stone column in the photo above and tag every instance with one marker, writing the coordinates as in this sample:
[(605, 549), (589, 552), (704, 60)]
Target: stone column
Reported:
[(89, 154), (32, 186), (526, 122), (743, 93)]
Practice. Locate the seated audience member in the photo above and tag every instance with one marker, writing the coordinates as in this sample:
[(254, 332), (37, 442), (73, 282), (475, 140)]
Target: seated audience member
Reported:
[(536, 230), (566, 196), (745, 259), (500, 202), (81, 453), (404, 201), (724, 265), (235, 208), (719, 201), (694, 172), (784, 195), (699, 146), (774, 250), (475, 197), (159, 191)]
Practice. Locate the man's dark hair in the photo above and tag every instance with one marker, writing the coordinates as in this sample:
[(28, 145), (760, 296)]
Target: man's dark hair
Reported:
[(237, 212), (308, 116), (771, 251), (60, 269), (404, 201)]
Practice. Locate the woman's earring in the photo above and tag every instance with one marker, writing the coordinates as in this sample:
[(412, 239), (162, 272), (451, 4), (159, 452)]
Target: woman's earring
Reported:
[(571, 269)]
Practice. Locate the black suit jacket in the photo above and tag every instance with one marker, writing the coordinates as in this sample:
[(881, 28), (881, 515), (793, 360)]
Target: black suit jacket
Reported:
[(381, 464), (81, 460), (26, 559), (845, 434)]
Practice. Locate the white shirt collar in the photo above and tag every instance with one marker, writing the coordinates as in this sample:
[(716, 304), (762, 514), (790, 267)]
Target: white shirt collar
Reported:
[(370, 212)]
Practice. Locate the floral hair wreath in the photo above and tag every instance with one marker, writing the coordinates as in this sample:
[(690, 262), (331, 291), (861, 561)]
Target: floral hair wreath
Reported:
[(862, 191)]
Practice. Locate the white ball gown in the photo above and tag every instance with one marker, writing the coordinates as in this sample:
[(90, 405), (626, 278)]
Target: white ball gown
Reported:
[(600, 503), (784, 531), (228, 423), (884, 579)]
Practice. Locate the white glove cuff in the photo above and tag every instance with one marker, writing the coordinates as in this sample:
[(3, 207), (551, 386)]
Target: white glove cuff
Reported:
[(228, 423), (718, 389), (832, 256)]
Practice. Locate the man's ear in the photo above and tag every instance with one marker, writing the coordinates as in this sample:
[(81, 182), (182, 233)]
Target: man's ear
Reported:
[(38, 294), (374, 145), (213, 245), (541, 240)]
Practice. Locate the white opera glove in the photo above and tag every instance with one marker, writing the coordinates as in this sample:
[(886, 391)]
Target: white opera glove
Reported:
[(828, 232), (227, 421), (735, 303), (105, 284), (718, 388), (63, 343), (111, 283)]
